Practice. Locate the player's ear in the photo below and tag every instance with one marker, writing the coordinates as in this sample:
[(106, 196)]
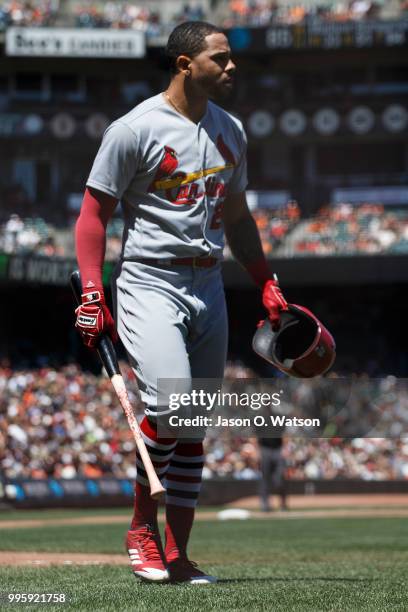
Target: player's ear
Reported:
[(183, 64)]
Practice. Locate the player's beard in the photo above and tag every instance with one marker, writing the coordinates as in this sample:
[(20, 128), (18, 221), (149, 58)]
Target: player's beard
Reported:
[(217, 90), (220, 92)]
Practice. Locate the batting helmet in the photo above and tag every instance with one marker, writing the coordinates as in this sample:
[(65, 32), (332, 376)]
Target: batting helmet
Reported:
[(301, 347)]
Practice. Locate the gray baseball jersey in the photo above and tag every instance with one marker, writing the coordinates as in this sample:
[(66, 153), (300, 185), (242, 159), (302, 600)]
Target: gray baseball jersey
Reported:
[(172, 176)]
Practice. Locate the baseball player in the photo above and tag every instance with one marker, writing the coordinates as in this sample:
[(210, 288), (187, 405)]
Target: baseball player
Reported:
[(177, 163), (272, 471)]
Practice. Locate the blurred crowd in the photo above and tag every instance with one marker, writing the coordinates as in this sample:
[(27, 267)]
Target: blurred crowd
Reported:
[(345, 229), (31, 235), (362, 458), (258, 13), (316, 459), (226, 13), (67, 423), (274, 225), (63, 423), (342, 229), (117, 15), (124, 15), (91, 14), (32, 13)]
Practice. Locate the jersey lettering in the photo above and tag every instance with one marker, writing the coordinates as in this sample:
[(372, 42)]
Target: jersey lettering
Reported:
[(213, 188), (216, 220), (186, 194)]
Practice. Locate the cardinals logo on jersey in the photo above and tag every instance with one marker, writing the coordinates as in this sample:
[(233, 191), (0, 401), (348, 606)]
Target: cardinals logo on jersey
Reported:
[(181, 188), (167, 167)]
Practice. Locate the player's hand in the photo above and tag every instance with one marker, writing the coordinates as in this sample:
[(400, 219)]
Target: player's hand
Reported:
[(93, 318), (273, 301)]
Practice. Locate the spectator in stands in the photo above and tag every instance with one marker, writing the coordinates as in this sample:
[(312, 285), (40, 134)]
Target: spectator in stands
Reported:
[(28, 13), (339, 229), (12, 229), (348, 229), (253, 13), (67, 423)]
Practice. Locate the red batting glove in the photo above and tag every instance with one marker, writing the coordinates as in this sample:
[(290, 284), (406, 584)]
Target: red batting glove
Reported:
[(94, 318), (273, 301)]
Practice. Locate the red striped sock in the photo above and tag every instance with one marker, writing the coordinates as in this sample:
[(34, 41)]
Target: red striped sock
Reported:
[(183, 483), (160, 451)]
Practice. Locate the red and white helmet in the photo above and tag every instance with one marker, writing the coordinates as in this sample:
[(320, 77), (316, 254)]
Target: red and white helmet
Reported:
[(301, 347)]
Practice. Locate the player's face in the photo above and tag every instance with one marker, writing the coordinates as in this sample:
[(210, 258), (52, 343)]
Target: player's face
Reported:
[(212, 70)]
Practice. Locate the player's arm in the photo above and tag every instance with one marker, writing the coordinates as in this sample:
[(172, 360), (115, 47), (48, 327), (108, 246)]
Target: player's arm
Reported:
[(93, 316), (244, 241)]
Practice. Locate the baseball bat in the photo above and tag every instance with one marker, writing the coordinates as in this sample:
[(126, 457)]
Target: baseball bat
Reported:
[(108, 357)]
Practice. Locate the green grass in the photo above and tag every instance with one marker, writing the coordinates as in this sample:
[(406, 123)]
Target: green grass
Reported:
[(57, 513), (24, 515), (295, 565)]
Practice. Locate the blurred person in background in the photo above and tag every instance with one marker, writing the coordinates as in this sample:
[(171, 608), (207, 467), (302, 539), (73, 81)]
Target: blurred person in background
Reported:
[(272, 465)]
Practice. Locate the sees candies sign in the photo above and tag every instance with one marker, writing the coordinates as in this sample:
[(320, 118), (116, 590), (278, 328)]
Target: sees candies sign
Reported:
[(71, 42)]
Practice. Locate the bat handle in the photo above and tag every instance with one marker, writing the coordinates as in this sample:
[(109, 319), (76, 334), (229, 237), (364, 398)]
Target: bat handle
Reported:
[(107, 355)]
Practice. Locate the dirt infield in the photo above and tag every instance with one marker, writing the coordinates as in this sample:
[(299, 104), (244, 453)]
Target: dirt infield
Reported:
[(41, 559), (357, 501), (301, 506)]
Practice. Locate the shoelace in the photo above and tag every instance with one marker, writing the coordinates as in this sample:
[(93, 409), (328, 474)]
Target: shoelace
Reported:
[(147, 538)]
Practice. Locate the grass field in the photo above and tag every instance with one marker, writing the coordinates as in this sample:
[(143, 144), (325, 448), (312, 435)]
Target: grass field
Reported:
[(286, 565)]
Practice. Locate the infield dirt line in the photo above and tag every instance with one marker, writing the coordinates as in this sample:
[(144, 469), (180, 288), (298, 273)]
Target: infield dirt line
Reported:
[(41, 559), (60, 558), (211, 515)]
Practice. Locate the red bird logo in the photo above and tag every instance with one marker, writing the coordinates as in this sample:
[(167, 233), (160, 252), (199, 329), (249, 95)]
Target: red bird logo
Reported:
[(167, 166)]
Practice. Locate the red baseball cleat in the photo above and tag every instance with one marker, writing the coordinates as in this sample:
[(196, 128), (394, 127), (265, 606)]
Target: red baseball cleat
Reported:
[(143, 546), (183, 570)]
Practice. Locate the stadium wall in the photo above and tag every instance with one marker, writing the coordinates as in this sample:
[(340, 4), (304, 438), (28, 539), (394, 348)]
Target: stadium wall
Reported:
[(111, 492), (297, 271)]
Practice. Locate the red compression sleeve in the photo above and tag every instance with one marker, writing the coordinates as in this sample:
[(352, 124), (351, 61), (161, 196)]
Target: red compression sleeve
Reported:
[(90, 235), (259, 271)]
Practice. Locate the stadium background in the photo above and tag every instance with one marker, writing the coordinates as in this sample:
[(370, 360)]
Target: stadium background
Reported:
[(322, 92)]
